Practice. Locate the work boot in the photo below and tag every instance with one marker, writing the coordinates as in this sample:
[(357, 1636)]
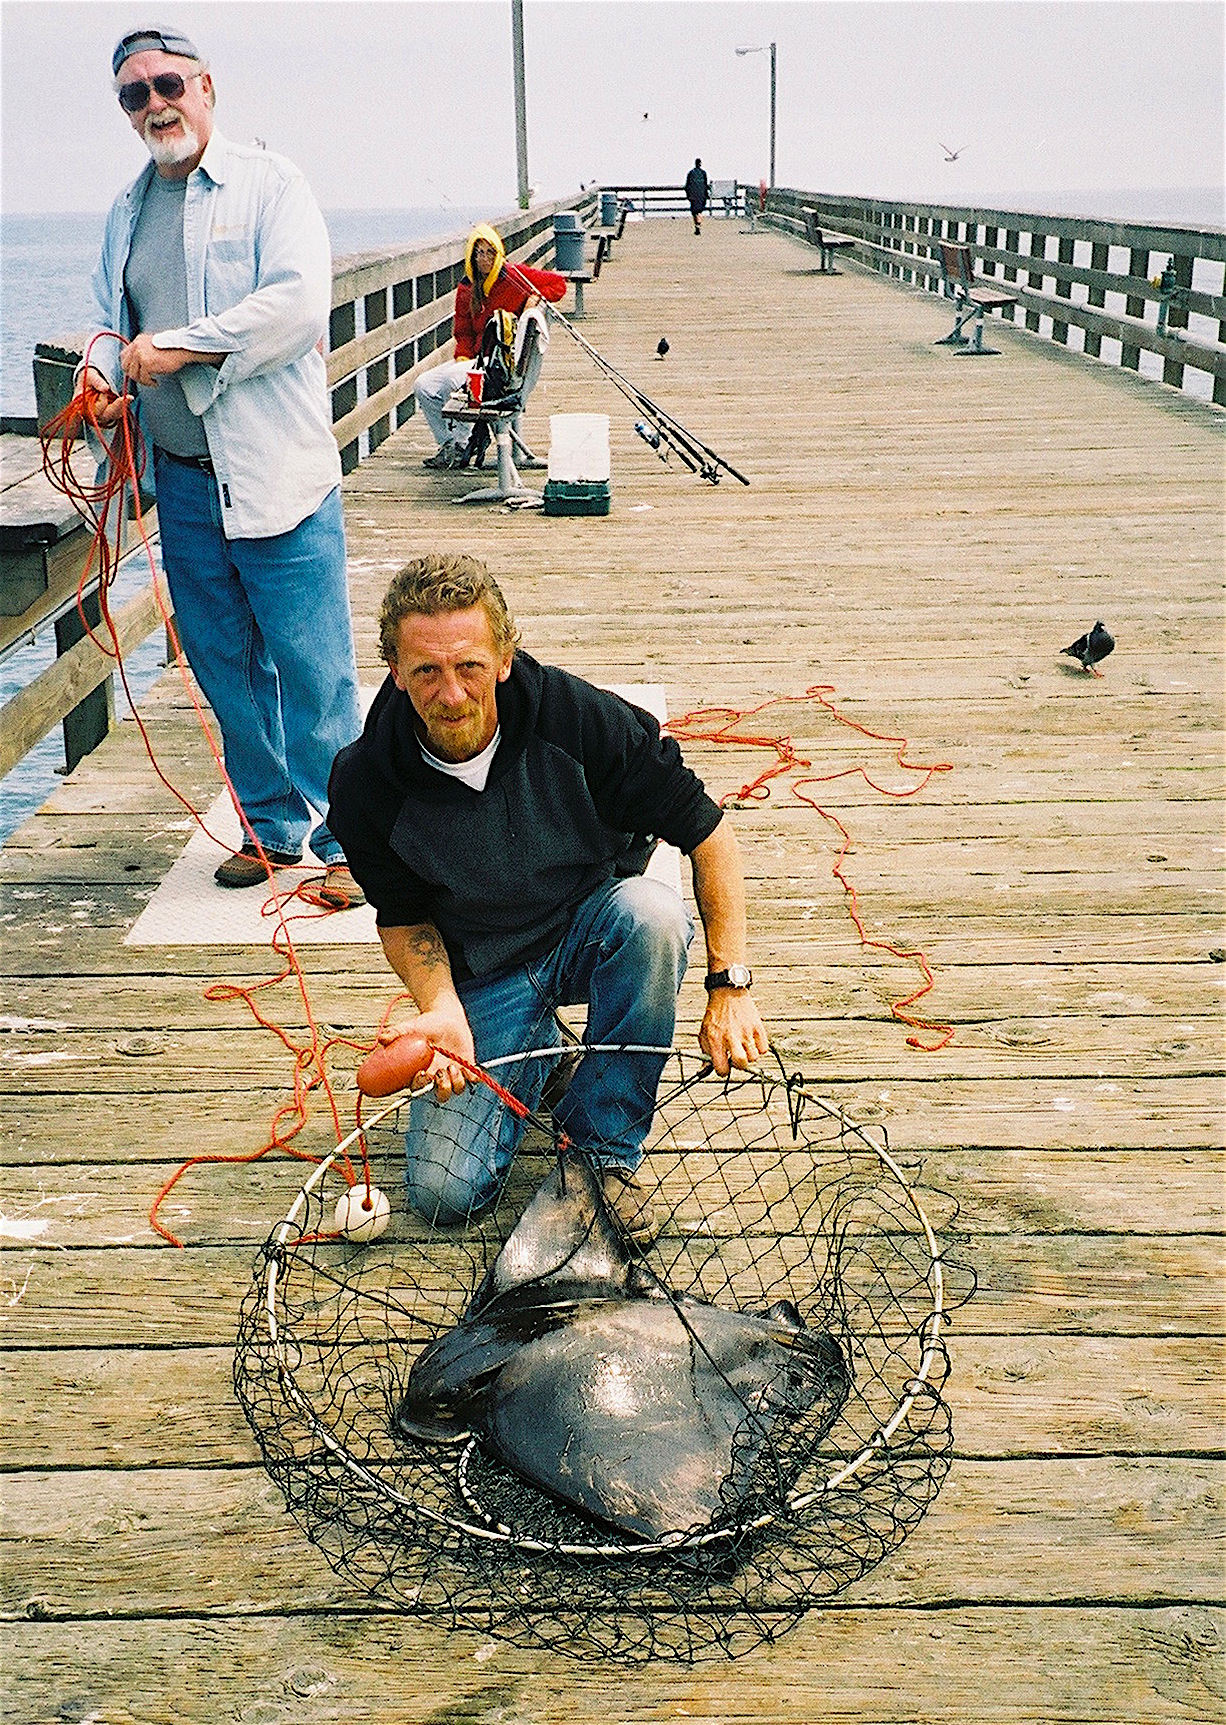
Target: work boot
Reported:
[(628, 1200), (340, 890), (245, 868)]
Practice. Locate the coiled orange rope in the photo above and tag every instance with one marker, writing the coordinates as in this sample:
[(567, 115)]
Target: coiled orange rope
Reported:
[(102, 504)]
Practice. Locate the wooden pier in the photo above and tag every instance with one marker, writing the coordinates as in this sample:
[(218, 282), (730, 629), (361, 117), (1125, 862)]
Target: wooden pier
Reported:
[(924, 532)]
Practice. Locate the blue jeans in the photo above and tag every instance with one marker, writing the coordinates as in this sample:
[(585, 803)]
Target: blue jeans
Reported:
[(265, 625), (624, 955)]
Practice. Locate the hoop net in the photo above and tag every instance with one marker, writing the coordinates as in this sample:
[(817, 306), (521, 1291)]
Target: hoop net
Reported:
[(767, 1194)]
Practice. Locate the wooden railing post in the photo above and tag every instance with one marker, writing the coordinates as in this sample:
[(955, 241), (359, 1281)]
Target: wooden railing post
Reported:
[(90, 721)]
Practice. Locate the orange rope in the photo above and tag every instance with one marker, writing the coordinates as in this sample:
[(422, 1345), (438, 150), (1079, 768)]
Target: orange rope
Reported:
[(101, 506), (718, 725)]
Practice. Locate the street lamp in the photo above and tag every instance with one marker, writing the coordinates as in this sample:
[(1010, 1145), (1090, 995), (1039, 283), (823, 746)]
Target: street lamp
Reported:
[(761, 50)]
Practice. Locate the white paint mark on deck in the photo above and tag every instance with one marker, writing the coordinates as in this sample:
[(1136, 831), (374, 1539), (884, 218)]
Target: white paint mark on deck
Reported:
[(23, 1227)]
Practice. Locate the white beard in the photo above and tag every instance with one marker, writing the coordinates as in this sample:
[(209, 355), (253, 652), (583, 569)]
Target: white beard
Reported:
[(169, 152)]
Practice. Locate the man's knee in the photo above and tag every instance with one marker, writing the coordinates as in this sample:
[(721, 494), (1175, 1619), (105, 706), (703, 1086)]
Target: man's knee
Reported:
[(654, 912), (443, 1195), (455, 1155)]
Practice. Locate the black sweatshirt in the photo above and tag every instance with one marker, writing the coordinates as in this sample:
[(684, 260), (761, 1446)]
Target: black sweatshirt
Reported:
[(580, 788)]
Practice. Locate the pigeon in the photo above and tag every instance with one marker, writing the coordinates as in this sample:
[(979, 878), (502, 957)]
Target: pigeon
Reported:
[(661, 347), (1089, 649)]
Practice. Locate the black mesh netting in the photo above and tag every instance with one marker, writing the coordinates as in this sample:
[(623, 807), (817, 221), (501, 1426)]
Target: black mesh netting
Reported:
[(772, 1204)]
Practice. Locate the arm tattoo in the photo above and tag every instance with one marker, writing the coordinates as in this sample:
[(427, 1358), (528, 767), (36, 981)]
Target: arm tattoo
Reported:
[(426, 948)]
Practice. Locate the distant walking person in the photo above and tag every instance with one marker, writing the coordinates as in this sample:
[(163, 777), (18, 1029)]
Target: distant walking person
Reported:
[(216, 278), (697, 191)]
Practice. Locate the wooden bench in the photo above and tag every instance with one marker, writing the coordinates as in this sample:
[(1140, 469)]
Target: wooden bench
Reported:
[(972, 298), (827, 244), (723, 193)]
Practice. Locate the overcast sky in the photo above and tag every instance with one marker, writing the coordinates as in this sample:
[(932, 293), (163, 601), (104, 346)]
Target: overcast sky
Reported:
[(409, 102)]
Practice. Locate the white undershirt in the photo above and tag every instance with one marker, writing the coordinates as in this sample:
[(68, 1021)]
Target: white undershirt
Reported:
[(475, 772)]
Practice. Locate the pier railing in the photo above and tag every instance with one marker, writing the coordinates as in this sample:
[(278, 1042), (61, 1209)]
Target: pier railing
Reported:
[(727, 197), (391, 311), (1148, 297)]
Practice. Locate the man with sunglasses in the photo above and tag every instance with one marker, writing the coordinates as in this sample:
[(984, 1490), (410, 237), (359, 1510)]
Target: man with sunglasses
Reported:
[(214, 287)]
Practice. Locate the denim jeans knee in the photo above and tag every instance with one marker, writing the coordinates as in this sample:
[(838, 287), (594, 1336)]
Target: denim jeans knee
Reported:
[(625, 955), (457, 1153)]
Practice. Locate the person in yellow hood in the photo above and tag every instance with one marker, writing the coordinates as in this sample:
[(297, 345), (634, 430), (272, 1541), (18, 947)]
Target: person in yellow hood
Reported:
[(488, 286)]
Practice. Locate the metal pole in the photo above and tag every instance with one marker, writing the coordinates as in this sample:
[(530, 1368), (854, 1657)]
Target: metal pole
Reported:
[(521, 109), (772, 116)]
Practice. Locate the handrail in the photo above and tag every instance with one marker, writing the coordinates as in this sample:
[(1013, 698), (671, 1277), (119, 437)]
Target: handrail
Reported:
[(672, 201), (1141, 288)]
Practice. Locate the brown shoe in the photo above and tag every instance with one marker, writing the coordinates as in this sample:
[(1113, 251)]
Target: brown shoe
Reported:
[(244, 868), (627, 1198), (340, 890)]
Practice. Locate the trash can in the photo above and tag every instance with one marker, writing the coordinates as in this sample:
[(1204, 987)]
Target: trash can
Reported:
[(567, 242), (608, 209)]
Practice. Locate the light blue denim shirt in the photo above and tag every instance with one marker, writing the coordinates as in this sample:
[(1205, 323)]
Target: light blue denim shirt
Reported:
[(259, 290)]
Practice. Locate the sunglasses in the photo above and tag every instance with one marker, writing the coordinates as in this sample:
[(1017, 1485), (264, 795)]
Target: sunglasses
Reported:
[(169, 86)]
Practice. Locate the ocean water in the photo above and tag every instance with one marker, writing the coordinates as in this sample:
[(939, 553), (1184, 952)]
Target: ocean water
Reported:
[(45, 267)]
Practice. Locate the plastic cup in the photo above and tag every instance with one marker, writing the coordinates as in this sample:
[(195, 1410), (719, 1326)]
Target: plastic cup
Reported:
[(475, 380)]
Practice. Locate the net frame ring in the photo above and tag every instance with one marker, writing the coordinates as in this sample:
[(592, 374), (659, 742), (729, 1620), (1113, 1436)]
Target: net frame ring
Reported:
[(470, 1519)]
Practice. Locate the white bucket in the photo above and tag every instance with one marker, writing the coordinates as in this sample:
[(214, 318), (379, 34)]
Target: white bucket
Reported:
[(578, 447)]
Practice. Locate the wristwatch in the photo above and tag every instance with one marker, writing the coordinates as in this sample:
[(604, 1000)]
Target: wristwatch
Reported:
[(736, 976)]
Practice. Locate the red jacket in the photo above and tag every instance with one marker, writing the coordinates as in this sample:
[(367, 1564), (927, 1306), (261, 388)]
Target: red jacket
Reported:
[(505, 295)]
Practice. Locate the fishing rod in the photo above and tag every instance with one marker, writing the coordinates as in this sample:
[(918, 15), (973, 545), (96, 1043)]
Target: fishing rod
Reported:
[(699, 457)]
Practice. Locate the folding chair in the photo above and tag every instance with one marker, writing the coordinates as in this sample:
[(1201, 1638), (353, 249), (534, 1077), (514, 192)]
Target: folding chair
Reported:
[(502, 419)]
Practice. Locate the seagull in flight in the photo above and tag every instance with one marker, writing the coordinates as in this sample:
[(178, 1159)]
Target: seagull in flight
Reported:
[(952, 155)]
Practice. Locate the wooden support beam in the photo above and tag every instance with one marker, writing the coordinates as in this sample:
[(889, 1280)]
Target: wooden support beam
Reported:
[(39, 707)]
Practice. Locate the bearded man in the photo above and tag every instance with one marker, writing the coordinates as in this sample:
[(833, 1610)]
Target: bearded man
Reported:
[(213, 293), (500, 814)]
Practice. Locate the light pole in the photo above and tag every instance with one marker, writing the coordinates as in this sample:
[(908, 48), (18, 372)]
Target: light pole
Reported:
[(761, 50), (521, 106)]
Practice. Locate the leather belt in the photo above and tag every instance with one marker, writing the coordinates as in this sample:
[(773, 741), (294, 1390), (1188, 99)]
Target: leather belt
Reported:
[(202, 463)]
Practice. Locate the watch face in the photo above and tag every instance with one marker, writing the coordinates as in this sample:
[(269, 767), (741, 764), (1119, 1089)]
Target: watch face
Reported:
[(736, 976)]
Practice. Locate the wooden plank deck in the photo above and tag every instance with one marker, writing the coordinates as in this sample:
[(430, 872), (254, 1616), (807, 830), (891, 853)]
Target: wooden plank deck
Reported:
[(924, 533)]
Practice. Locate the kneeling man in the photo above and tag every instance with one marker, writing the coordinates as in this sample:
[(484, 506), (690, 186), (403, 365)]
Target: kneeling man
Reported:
[(499, 814)]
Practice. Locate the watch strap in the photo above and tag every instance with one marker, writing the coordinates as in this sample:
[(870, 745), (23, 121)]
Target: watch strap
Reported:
[(736, 976)]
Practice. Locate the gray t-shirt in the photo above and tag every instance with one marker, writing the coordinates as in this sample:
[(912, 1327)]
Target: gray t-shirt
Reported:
[(155, 281)]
